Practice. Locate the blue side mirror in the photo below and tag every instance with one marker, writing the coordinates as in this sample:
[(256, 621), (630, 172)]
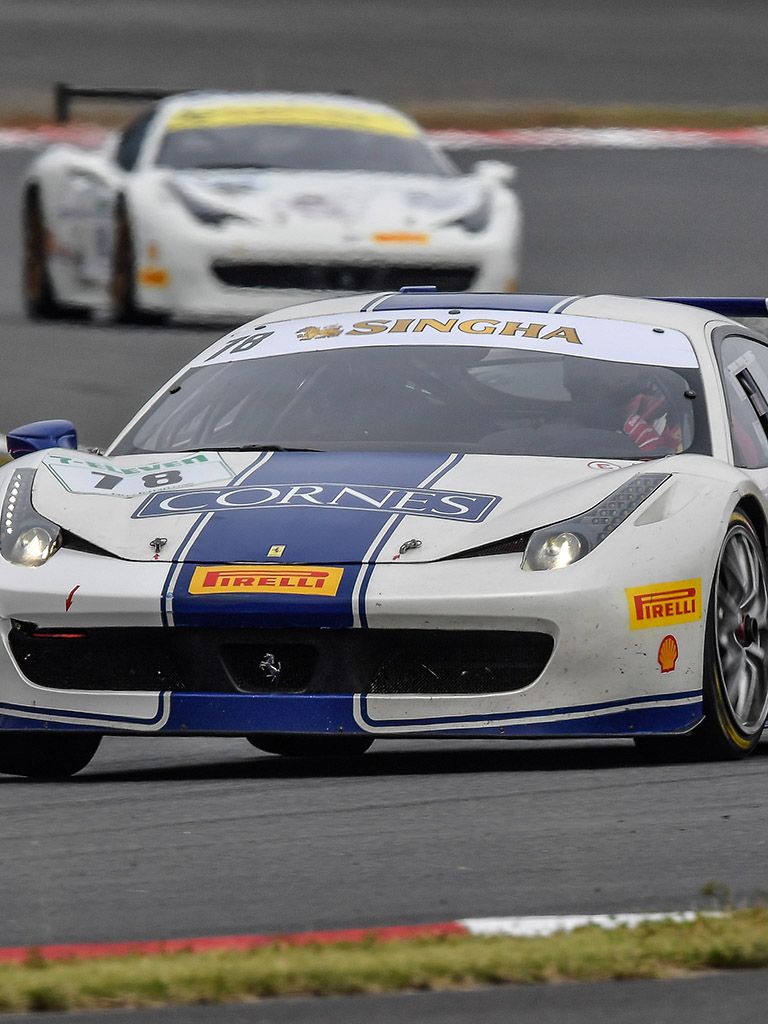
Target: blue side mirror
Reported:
[(36, 437)]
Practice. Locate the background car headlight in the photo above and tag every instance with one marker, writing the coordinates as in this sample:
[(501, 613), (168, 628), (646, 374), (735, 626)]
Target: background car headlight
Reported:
[(27, 538), (477, 219), (201, 209), (561, 544)]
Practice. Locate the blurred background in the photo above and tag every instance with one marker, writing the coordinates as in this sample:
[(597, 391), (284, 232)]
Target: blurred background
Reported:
[(640, 220), (437, 51)]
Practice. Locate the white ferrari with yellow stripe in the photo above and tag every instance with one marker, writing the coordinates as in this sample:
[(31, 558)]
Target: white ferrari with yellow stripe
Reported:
[(407, 514), (230, 204)]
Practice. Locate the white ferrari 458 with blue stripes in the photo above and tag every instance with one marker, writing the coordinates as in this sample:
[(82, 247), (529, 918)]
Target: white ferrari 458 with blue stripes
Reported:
[(411, 514)]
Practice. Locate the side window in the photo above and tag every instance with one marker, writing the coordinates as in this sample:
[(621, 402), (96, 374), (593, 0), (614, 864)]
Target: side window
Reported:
[(744, 368), (129, 147)]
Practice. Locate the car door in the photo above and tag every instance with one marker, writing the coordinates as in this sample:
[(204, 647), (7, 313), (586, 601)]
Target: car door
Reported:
[(83, 202), (88, 194), (744, 369)]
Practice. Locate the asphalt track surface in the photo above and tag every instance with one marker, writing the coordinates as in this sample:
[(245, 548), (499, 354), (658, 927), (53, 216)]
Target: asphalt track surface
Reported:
[(175, 837), (590, 51)]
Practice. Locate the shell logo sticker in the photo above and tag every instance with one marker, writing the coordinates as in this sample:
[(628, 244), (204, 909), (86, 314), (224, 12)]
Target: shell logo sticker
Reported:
[(664, 604), (668, 653), (307, 580)]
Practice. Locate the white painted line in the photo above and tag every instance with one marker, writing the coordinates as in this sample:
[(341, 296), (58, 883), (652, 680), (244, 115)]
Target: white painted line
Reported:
[(604, 138), (538, 927)]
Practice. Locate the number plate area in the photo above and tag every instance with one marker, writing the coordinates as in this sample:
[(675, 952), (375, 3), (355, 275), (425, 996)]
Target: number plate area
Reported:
[(82, 474)]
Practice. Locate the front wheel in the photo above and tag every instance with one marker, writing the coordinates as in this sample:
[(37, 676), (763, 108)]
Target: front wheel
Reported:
[(46, 755), (735, 672), (735, 690), (122, 287), (310, 746)]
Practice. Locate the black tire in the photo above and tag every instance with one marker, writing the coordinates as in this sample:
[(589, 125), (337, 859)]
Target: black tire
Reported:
[(40, 302), (122, 285), (46, 755), (288, 745), (735, 669)]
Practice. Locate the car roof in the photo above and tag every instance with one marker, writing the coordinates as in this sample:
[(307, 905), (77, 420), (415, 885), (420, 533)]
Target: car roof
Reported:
[(612, 328), (187, 100), (690, 319)]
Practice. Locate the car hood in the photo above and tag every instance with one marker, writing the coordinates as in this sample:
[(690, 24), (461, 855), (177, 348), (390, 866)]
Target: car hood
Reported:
[(352, 200), (312, 507)]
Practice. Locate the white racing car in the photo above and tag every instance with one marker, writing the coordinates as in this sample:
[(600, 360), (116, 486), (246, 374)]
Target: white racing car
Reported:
[(404, 515), (227, 205)]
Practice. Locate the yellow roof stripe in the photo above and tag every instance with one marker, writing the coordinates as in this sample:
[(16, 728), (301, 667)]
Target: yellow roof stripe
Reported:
[(309, 116)]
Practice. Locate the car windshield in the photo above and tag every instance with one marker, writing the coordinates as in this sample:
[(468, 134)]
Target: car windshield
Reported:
[(429, 398), (300, 148)]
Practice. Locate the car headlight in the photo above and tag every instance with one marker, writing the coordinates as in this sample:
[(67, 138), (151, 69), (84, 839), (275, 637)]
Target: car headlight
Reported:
[(27, 538), (477, 219), (561, 544), (202, 210)]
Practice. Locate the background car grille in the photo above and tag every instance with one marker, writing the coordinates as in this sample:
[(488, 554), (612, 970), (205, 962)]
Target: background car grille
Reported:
[(341, 277), (280, 661)]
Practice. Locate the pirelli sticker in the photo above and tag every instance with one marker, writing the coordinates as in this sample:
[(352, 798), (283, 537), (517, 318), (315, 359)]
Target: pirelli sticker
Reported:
[(664, 604), (307, 580)]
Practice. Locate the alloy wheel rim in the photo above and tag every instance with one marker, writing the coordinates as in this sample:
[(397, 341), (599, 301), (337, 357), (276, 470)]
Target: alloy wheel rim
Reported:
[(741, 607)]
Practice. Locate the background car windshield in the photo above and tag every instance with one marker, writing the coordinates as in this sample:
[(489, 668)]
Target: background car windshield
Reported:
[(301, 149), (430, 398)]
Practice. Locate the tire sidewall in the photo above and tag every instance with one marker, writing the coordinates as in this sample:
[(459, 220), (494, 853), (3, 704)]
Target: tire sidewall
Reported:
[(723, 729)]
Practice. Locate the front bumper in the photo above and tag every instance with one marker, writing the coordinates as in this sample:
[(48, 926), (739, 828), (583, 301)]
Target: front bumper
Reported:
[(601, 678), (223, 272)]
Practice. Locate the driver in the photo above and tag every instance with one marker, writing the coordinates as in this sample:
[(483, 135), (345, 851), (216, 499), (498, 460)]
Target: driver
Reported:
[(626, 394)]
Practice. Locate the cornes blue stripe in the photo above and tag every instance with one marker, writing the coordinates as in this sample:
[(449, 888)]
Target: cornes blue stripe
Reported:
[(166, 596), (334, 537)]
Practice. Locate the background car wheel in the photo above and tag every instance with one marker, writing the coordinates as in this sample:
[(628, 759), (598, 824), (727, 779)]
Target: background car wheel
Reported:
[(122, 288), (46, 755), (735, 676), (310, 746), (40, 300)]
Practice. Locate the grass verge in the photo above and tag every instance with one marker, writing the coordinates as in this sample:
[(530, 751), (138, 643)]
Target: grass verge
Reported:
[(658, 950), (488, 116)]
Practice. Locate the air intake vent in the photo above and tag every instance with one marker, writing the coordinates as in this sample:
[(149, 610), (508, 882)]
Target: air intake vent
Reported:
[(508, 546), (75, 543)]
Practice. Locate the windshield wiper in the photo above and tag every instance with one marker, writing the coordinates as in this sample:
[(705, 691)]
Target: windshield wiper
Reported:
[(252, 448)]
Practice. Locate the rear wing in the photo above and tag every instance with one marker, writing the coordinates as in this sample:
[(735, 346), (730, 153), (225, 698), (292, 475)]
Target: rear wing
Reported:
[(734, 307), (63, 95)]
